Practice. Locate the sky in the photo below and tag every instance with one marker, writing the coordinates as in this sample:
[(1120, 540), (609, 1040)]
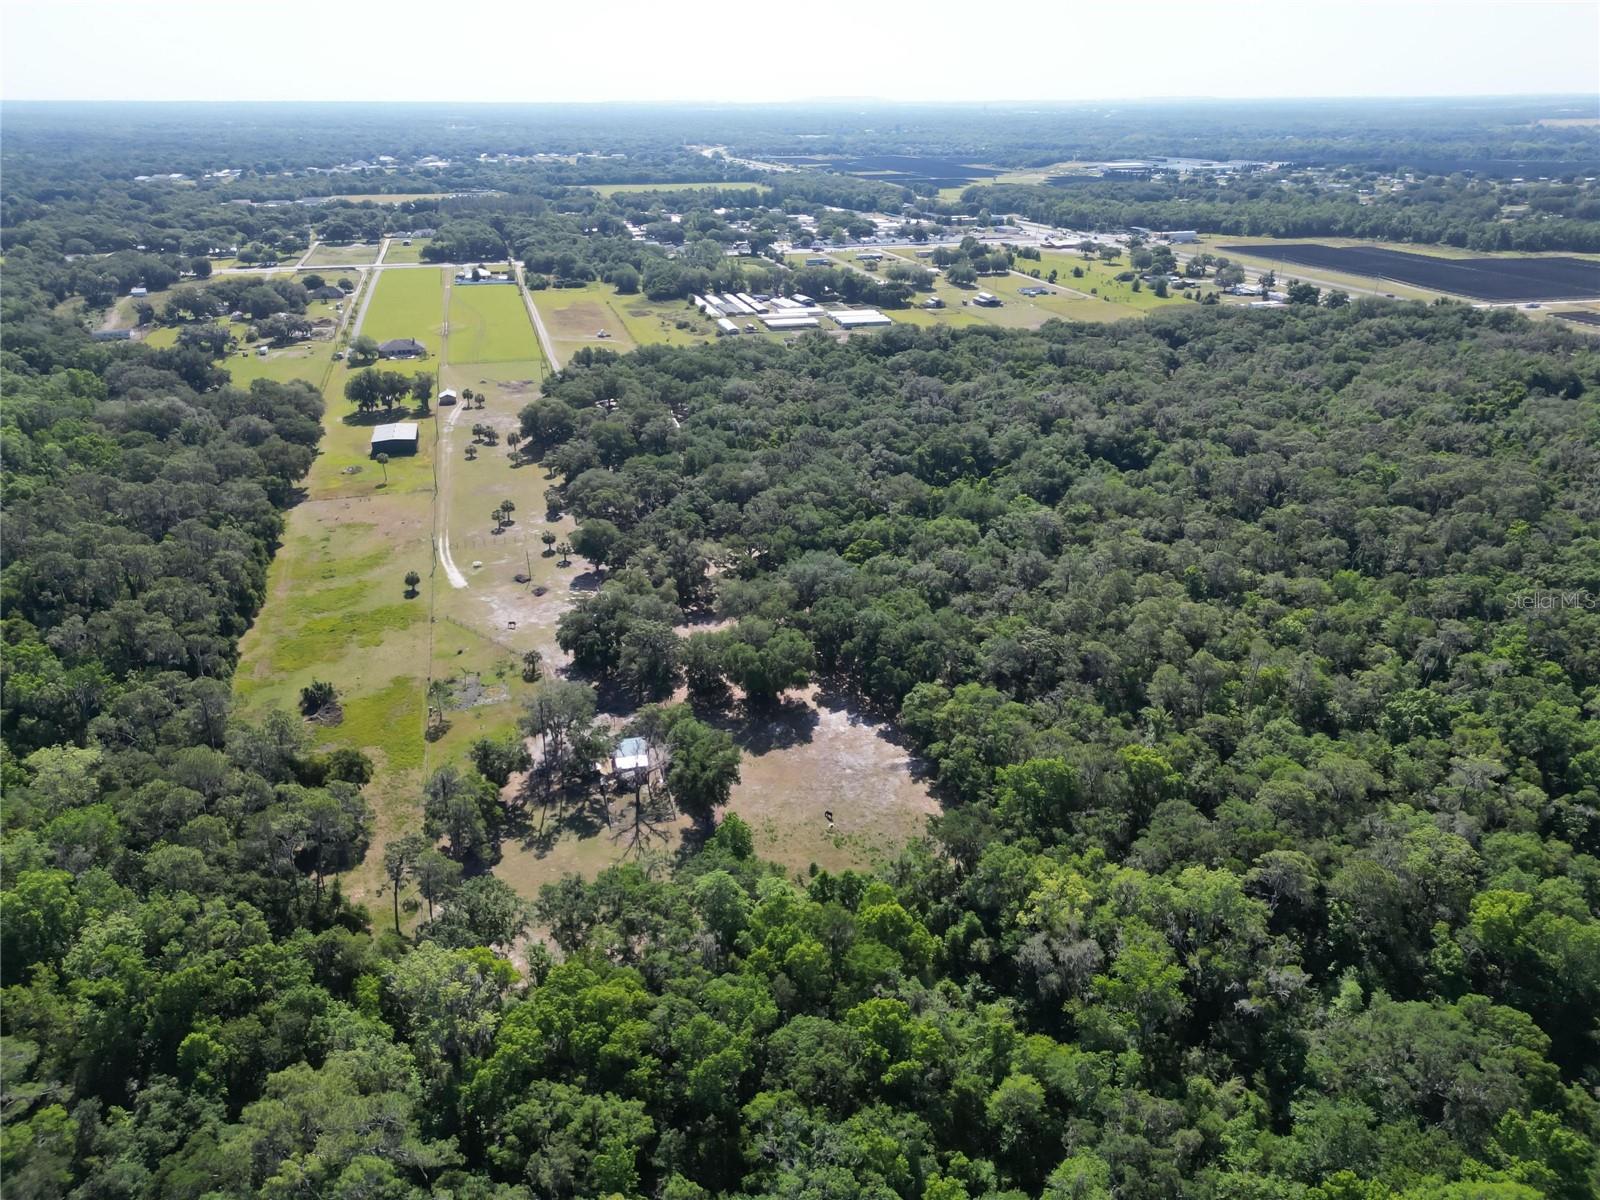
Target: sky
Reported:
[(678, 50)]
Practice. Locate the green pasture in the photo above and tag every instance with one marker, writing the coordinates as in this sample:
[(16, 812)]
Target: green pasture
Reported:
[(337, 607), (362, 254), (489, 323), (400, 253), (407, 304)]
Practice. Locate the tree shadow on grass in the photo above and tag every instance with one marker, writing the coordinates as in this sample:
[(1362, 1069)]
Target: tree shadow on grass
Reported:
[(377, 417), (831, 695), (759, 729), (537, 823)]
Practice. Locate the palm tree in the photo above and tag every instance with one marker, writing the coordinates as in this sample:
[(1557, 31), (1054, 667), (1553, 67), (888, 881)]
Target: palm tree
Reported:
[(565, 550), (472, 453), (548, 537), (507, 507), (383, 461), (412, 580)]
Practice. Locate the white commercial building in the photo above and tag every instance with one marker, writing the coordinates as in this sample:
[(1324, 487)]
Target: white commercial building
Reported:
[(857, 318)]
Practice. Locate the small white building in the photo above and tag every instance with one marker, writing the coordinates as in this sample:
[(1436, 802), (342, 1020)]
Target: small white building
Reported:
[(987, 299), (447, 397), (788, 322), (632, 754), (726, 327), (1182, 236)]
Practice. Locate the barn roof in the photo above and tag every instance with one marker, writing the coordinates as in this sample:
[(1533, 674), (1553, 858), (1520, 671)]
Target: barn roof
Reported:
[(400, 431)]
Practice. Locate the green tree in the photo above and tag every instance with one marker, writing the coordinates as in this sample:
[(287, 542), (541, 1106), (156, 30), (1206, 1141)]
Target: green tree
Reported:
[(703, 768), (363, 351), (598, 541), (399, 858)]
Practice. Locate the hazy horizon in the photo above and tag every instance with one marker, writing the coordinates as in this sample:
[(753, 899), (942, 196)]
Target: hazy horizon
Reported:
[(1031, 52)]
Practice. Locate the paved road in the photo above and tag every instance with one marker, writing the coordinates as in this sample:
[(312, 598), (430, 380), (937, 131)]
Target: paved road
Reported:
[(369, 285)]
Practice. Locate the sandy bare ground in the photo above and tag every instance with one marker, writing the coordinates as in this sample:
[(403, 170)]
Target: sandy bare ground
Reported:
[(820, 755)]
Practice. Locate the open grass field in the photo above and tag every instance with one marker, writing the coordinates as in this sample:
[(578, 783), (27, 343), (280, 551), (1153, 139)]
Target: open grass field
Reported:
[(662, 323), (489, 324), (398, 252), (1099, 280), (336, 609), (123, 312), (359, 255), (408, 304), (575, 318), (1070, 301)]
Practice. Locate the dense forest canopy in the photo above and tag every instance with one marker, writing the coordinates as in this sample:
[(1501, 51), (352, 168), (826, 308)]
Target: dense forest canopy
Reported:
[(1419, 133), (1254, 657)]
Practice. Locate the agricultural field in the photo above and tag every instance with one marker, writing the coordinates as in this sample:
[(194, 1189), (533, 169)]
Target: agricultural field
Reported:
[(407, 304), (1261, 255), (360, 254), (574, 318), (1496, 279), (398, 252), (1581, 318), (488, 323)]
